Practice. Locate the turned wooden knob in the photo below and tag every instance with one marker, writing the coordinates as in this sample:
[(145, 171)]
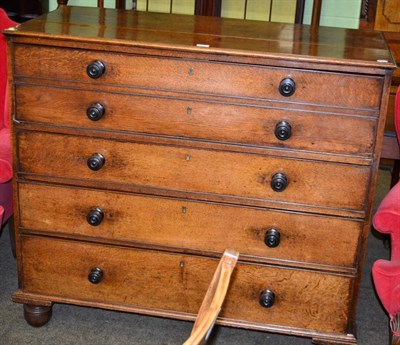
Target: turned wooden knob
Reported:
[(272, 238), (279, 182), (287, 87), (283, 130), (96, 161), (95, 111), (95, 216), (95, 69), (267, 298), (96, 275)]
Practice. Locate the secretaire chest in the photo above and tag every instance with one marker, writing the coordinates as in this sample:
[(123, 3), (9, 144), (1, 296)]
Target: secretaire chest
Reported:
[(145, 144)]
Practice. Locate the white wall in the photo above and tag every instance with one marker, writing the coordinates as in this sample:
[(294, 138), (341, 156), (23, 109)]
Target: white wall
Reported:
[(282, 10), (340, 13)]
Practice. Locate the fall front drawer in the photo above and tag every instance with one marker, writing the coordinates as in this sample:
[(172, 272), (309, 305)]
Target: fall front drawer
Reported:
[(189, 169), (270, 125), (259, 234), (193, 76), (177, 282)]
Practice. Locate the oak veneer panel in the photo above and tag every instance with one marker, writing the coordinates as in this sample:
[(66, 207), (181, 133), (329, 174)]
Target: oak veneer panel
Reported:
[(191, 225), (311, 131), (194, 170), (178, 282), (201, 77)]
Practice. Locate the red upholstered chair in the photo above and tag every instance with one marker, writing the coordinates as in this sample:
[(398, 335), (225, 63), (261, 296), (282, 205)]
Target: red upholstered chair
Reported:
[(386, 274), (6, 199), (1, 214)]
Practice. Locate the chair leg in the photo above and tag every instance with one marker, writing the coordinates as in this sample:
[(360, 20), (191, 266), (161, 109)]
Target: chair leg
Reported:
[(213, 299), (395, 327), (12, 235)]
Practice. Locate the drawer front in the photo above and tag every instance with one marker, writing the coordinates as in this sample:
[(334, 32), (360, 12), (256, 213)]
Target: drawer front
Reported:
[(195, 170), (191, 225), (174, 282), (227, 79), (309, 131)]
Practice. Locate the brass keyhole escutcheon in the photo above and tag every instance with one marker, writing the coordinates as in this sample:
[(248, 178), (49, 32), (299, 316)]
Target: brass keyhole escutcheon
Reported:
[(191, 71)]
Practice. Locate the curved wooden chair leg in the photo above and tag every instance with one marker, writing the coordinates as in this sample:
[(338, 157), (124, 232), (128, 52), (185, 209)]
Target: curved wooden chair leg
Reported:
[(212, 302)]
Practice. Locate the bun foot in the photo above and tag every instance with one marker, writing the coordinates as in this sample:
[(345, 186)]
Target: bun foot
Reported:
[(36, 315)]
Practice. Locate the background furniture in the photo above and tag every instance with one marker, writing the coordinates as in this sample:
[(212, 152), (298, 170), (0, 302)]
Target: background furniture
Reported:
[(386, 273), (213, 8), (155, 146), (387, 20), (22, 10), (100, 3), (6, 193)]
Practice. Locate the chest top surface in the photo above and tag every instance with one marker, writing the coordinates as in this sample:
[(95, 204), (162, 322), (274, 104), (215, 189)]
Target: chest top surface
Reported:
[(220, 36)]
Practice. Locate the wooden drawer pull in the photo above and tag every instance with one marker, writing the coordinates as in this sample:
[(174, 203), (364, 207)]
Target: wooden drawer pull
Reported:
[(283, 130), (267, 298), (287, 87), (272, 238), (279, 182), (95, 216), (95, 111), (96, 275), (95, 69), (96, 161)]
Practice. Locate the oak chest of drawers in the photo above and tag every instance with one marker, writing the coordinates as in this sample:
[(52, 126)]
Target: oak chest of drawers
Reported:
[(146, 144)]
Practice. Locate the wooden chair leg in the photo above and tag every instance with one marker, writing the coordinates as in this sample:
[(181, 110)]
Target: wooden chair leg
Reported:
[(213, 299)]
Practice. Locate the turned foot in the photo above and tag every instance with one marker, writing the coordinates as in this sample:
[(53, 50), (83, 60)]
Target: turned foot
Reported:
[(37, 315)]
